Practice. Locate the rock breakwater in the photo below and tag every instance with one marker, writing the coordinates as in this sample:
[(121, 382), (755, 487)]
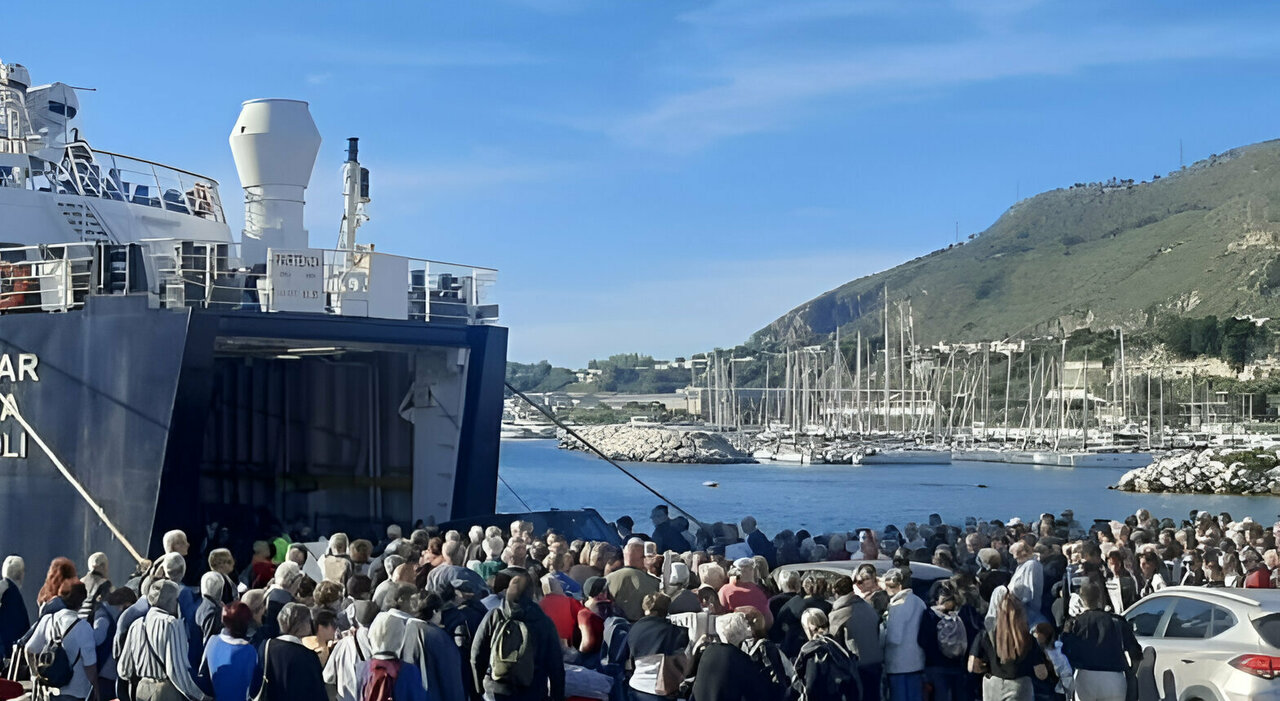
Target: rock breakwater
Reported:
[(1212, 471), (655, 444)]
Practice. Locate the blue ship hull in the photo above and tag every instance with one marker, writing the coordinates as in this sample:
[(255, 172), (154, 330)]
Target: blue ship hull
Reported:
[(178, 418)]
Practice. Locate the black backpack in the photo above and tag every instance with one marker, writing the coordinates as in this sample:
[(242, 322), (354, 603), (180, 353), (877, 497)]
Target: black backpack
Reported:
[(53, 668), (826, 670)]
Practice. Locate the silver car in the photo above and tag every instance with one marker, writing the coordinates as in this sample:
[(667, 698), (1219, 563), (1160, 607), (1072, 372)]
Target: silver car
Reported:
[(1212, 644)]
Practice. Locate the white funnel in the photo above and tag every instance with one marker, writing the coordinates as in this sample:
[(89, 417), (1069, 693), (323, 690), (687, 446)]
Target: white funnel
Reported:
[(274, 143)]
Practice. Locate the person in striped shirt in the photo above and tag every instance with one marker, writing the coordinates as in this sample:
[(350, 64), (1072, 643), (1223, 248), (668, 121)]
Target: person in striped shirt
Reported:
[(154, 658)]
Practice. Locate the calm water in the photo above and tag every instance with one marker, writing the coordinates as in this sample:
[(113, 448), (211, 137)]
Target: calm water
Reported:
[(826, 497)]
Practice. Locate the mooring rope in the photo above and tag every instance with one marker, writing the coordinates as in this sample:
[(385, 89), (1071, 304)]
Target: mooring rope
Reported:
[(547, 413), (12, 408)]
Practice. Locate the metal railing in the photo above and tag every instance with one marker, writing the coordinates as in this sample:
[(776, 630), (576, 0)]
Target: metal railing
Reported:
[(51, 278), (205, 274), (111, 176)]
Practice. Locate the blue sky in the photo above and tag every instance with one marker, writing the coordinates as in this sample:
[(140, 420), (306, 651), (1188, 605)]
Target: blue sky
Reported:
[(669, 176)]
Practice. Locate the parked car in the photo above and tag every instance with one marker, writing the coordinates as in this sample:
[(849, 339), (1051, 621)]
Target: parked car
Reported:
[(1212, 644), (923, 574)]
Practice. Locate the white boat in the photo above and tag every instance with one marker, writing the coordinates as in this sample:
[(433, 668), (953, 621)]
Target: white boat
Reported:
[(763, 454), (906, 457), (1126, 461)]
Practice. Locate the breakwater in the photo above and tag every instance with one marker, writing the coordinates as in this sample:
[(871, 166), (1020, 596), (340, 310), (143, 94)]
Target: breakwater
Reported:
[(1212, 471), (656, 444)]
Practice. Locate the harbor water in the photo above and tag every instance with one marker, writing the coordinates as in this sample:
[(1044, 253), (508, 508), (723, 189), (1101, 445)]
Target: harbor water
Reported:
[(836, 497)]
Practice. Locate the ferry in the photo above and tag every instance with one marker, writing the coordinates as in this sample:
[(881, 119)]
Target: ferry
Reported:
[(159, 372)]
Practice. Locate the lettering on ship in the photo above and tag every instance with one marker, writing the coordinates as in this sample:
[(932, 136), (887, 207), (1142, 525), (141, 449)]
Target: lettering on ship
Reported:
[(21, 367)]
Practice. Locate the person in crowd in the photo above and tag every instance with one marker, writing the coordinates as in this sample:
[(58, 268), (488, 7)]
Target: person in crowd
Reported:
[(675, 585), (790, 634), (14, 619), (1257, 576), (597, 608), (105, 622), (721, 671), (776, 667), (789, 586), (629, 584), (433, 653), (209, 612), (665, 534), (77, 639), (947, 630), (283, 590), (759, 542), (1060, 684), (290, 671), (742, 589), (857, 623), (1152, 573), (903, 657), (653, 644), (560, 608), (824, 669), (324, 626), (154, 661), (61, 569), (224, 563), (1029, 573), (867, 583), (230, 668), (496, 674), (97, 583), (1008, 657), (335, 564), (1101, 647), (991, 572), (351, 648), (384, 671), (1121, 585)]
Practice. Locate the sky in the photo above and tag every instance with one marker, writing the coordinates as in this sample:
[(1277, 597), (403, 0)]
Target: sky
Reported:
[(668, 176)]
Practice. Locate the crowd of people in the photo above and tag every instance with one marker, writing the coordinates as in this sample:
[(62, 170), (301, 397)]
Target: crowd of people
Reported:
[(712, 612)]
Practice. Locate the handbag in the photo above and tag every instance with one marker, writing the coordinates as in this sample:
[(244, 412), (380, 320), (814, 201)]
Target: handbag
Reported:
[(262, 694), (671, 672)]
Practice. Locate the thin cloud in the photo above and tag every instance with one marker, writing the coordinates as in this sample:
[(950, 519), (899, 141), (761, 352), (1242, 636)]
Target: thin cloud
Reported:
[(751, 97), (720, 303), (470, 175), (380, 54)]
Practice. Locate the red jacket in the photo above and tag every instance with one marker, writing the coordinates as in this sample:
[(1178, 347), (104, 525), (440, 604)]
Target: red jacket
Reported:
[(1260, 578)]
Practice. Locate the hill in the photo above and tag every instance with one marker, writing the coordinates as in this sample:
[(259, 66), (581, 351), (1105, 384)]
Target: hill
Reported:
[(1202, 241)]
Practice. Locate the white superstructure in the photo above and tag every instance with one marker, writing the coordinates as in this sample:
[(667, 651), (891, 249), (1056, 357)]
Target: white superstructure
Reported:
[(55, 188)]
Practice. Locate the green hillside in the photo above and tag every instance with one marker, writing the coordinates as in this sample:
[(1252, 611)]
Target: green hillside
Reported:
[(1201, 241)]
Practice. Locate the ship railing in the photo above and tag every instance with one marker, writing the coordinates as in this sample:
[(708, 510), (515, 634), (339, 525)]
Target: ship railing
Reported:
[(112, 176), (51, 277), (361, 283)]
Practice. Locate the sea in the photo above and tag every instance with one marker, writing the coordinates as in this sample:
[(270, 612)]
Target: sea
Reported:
[(536, 475)]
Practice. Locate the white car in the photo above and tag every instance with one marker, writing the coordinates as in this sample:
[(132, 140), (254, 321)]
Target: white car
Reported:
[(1212, 644)]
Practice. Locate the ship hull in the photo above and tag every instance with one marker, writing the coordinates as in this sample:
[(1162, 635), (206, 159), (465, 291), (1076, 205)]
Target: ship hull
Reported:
[(180, 418)]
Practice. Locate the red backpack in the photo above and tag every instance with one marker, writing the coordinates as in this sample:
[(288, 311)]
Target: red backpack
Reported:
[(381, 685)]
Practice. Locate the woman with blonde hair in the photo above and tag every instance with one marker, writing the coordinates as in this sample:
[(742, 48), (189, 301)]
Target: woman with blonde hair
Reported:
[(1008, 656)]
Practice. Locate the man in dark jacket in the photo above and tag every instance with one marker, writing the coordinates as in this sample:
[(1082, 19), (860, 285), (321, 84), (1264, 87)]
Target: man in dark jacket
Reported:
[(856, 622), (722, 671), (1096, 643), (543, 644), (209, 612), (759, 542), (14, 619), (787, 626)]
